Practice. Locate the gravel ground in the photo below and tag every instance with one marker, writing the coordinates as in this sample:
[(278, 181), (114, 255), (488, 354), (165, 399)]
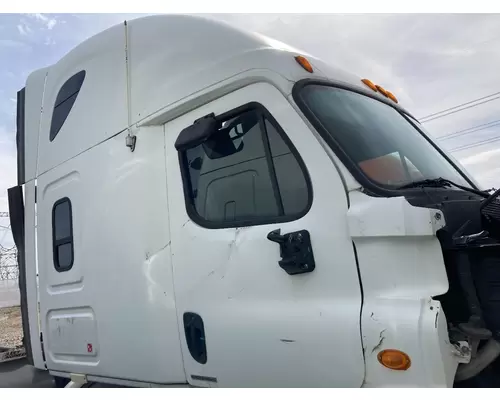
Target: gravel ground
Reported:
[(11, 328)]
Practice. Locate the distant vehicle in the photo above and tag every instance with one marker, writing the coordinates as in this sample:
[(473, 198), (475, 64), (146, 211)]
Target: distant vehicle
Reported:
[(216, 209)]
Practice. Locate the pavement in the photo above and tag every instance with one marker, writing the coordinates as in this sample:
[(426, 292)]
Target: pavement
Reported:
[(19, 374), (9, 294)]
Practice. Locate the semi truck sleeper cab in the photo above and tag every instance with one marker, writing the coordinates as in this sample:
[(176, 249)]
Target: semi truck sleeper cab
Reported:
[(208, 207)]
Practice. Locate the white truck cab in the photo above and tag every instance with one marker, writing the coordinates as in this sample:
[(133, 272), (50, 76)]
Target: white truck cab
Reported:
[(209, 207)]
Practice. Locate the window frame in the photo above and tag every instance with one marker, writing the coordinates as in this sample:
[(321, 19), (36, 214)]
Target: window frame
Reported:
[(66, 240), (371, 187), (263, 115)]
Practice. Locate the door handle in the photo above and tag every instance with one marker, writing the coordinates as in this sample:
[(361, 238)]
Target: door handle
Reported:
[(195, 336), (276, 237), (295, 251)]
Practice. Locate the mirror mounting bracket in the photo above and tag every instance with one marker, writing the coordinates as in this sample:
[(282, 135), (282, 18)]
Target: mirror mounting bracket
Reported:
[(208, 116), (130, 141)]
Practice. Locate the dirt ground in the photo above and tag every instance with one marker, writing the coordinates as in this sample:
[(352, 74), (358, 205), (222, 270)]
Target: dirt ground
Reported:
[(11, 329)]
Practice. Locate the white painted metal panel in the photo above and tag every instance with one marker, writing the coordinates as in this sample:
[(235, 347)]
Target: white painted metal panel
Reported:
[(173, 57), (100, 110), (122, 274), (402, 268)]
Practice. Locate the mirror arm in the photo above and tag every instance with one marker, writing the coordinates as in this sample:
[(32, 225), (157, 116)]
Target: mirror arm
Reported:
[(211, 116)]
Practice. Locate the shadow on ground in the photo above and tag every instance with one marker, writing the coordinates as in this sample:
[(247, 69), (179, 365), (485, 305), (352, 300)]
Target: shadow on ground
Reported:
[(19, 374)]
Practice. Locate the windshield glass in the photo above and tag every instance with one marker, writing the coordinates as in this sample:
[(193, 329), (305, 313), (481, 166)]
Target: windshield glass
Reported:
[(387, 148)]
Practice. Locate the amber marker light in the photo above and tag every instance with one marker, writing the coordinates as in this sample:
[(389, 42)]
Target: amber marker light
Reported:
[(304, 63), (394, 359)]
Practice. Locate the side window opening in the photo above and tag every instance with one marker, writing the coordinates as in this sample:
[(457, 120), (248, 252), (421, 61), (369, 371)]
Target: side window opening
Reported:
[(62, 235), (247, 173)]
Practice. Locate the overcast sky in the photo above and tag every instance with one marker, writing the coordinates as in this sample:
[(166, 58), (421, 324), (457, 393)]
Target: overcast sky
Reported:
[(430, 62)]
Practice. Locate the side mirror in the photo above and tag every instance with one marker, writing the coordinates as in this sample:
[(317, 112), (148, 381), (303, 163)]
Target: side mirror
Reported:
[(197, 133), (218, 139)]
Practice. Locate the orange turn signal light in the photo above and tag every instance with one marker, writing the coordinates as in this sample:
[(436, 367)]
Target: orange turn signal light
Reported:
[(382, 90), (304, 63), (370, 84), (392, 97), (394, 359)]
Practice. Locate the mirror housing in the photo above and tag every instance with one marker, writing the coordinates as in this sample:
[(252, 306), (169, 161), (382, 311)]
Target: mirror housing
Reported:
[(216, 141), (196, 134)]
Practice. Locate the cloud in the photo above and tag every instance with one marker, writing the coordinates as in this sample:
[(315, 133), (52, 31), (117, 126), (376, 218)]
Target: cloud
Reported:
[(24, 27), (482, 157), (8, 176), (482, 162), (22, 30), (49, 23), (14, 44), (49, 41)]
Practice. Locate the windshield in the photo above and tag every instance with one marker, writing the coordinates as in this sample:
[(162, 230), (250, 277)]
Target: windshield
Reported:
[(386, 147)]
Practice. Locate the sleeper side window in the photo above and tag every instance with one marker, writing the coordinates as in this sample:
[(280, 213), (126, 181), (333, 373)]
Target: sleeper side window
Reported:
[(65, 100), (62, 235), (246, 173)]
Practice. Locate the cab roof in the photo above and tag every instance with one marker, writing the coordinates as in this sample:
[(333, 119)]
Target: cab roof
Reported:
[(134, 70)]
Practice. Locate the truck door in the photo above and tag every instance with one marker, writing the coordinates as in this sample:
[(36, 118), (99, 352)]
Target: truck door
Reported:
[(265, 275)]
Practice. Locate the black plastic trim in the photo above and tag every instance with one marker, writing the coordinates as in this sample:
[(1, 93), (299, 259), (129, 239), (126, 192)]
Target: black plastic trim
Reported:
[(204, 378), (65, 101), (190, 208), (361, 309), (270, 164), (197, 345), (66, 240), (21, 136), (371, 187), (16, 213)]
